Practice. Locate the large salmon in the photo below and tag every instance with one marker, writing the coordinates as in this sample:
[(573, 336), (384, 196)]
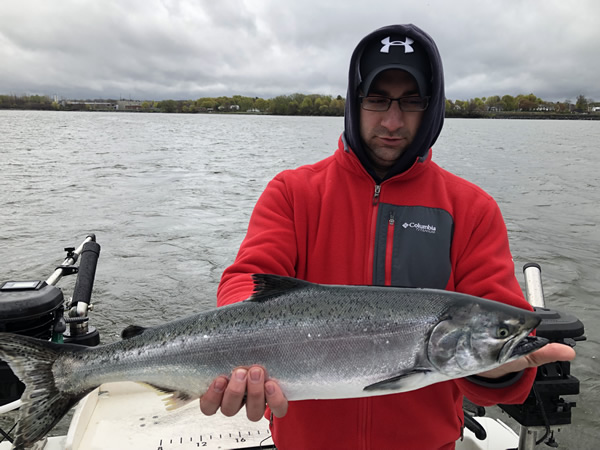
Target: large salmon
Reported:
[(317, 341)]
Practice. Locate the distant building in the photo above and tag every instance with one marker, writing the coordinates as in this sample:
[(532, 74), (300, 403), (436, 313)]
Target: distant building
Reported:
[(129, 105), (89, 105), (545, 107)]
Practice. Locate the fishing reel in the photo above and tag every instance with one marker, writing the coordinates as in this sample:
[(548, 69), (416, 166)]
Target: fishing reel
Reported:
[(37, 308)]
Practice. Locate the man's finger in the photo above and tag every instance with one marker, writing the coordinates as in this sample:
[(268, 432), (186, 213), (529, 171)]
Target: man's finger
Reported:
[(547, 354), (210, 402), (233, 397), (550, 353), (275, 399), (255, 399)]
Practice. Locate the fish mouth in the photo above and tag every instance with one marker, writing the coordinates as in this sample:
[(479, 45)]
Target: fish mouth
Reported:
[(527, 345)]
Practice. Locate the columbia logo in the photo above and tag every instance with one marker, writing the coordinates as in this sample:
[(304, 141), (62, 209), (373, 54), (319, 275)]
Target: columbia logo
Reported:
[(418, 227)]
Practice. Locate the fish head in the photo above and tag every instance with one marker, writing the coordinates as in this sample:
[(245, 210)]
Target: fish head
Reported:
[(475, 335)]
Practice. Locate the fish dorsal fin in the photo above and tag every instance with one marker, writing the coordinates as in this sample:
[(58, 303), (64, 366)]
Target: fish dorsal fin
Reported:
[(268, 286), (132, 331)]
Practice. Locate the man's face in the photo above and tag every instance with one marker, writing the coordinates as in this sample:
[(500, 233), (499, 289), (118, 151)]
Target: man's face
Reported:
[(387, 133)]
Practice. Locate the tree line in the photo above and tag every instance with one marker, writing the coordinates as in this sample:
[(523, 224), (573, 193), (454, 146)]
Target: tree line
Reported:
[(297, 104), (508, 103), (291, 105)]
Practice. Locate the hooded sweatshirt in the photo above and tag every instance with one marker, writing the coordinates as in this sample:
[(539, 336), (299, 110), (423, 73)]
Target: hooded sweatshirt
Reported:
[(336, 222), (433, 117)]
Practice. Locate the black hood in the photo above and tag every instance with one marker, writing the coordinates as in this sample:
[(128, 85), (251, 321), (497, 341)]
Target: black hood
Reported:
[(433, 117)]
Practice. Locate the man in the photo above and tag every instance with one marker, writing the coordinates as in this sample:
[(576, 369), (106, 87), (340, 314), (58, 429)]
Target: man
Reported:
[(379, 211)]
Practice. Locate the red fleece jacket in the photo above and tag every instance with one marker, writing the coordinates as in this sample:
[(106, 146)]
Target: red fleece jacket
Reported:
[(319, 223)]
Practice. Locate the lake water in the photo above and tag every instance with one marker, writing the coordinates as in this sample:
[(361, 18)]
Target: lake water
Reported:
[(169, 198)]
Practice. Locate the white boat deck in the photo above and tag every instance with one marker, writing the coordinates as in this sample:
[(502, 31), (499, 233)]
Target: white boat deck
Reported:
[(130, 416)]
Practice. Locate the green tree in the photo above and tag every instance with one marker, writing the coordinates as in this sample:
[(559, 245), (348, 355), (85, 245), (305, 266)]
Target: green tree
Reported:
[(206, 103), (581, 105), (292, 108), (476, 105), (338, 106), (279, 105), (461, 105), (245, 103), (307, 107), (509, 103), (493, 102), (167, 106), (261, 104)]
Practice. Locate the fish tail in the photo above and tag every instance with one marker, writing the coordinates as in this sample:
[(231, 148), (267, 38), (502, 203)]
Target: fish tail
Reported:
[(44, 404)]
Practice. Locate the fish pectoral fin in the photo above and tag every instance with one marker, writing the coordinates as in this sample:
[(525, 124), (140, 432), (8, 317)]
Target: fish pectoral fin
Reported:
[(401, 382), (173, 398)]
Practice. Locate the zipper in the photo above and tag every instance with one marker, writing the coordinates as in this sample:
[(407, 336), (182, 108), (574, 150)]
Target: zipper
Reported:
[(364, 414), (389, 247), (371, 249), (376, 194)]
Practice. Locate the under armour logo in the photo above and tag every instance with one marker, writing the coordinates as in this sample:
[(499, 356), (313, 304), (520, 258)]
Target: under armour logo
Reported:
[(406, 44)]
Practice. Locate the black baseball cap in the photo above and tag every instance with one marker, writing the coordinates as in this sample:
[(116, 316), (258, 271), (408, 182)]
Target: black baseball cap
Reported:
[(395, 52)]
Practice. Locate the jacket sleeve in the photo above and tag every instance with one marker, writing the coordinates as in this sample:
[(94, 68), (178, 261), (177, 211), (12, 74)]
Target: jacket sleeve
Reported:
[(485, 268), (269, 246)]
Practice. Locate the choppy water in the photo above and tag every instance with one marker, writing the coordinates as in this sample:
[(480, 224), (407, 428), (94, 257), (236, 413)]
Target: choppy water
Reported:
[(169, 197)]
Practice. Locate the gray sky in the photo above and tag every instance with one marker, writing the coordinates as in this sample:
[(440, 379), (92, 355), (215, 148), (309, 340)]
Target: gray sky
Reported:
[(186, 49)]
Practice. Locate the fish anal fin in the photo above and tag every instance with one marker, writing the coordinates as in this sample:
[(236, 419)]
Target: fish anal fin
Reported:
[(401, 382), (268, 286), (173, 399)]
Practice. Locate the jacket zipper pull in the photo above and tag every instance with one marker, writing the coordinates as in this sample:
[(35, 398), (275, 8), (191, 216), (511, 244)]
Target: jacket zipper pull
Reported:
[(376, 195)]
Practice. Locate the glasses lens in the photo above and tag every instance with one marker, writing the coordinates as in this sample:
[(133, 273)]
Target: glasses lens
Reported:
[(413, 103), (376, 103)]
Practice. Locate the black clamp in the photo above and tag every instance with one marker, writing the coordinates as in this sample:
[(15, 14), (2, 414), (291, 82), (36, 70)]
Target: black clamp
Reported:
[(68, 269)]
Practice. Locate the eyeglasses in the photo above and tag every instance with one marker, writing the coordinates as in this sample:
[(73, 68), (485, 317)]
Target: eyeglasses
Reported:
[(406, 104)]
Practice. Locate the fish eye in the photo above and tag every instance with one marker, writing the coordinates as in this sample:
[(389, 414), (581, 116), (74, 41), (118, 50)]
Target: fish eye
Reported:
[(502, 332)]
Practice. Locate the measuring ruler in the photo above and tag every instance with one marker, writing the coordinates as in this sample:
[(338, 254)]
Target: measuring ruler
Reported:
[(240, 440)]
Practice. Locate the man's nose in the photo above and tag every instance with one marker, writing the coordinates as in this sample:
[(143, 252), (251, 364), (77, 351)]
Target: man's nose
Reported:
[(393, 118)]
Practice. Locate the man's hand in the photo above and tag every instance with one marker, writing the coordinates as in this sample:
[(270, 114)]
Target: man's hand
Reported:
[(253, 383), (547, 354)]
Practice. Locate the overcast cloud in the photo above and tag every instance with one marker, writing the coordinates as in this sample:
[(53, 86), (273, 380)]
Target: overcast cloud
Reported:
[(186, 49)]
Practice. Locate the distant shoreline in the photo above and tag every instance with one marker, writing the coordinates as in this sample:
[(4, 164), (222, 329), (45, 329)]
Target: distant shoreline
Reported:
[(510, 115), (523, 115)]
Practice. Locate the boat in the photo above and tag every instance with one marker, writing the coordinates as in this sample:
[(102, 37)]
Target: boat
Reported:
[(130, 415)]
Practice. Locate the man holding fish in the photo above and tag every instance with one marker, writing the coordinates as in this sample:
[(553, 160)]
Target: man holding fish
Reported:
[(373, 291), (381, 212)]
